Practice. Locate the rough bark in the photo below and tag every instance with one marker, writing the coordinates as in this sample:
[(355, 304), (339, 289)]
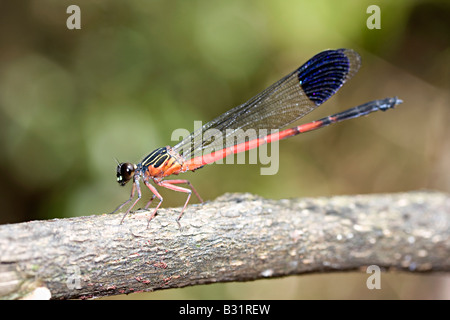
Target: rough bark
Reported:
[(236, 237)]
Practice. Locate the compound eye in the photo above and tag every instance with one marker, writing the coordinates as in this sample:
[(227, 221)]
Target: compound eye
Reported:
[(125, 172)]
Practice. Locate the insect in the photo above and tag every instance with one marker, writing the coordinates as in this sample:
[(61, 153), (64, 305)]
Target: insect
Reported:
[(284, 102)]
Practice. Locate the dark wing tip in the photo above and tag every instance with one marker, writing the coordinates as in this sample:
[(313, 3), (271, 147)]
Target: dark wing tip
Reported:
[(322, 75)]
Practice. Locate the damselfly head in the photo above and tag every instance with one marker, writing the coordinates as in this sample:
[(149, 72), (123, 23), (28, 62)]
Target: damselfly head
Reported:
[(125, 172)]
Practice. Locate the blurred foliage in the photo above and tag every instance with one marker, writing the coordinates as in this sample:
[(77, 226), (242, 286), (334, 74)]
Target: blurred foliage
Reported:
[(71, 101)]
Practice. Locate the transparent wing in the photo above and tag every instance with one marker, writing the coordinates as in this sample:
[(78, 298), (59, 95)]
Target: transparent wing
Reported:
[(284, 102)]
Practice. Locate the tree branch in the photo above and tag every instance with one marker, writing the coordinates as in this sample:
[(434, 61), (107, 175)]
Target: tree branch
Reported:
[(236, 237)]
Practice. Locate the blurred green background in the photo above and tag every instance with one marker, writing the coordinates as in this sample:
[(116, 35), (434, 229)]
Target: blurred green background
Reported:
[(73, 100)]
